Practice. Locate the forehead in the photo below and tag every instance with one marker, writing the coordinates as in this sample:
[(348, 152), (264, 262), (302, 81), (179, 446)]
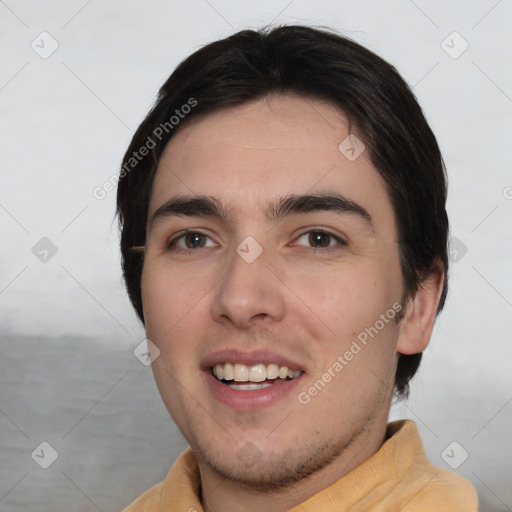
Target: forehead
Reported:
[(275, 146)]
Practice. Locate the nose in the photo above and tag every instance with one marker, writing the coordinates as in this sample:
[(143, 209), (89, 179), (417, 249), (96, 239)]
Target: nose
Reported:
[(249, 292)]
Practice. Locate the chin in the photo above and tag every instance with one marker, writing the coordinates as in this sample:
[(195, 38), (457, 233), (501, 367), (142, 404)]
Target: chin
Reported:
[(264, 475), (270, 471)]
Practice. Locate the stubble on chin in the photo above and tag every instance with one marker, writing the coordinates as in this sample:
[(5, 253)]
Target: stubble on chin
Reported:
[(282, 470)]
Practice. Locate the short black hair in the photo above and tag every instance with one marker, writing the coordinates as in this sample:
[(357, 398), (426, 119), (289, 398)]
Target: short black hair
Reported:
[(318, 64)]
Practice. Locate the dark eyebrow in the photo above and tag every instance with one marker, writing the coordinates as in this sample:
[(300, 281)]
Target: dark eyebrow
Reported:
[(328, 202), (195, 206), (206, 206)]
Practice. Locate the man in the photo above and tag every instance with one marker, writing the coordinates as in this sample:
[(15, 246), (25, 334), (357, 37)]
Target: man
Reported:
[(284, 238)]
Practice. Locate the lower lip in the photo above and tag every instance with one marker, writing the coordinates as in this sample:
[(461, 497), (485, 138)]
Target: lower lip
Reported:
[(249, 400)]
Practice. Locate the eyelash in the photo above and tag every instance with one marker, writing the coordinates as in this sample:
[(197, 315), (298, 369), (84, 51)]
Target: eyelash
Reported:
[(341, 243)]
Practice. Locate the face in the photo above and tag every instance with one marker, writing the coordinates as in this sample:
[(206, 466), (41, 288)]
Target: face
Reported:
[(273, 297)]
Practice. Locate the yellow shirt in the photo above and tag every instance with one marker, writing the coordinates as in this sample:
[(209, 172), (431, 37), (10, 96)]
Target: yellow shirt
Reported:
[(398, 477)]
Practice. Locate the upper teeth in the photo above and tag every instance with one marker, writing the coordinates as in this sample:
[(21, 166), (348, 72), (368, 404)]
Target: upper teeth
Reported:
[(254, 373)]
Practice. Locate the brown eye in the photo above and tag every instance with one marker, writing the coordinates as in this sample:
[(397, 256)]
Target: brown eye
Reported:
[(194, 240), (191, 240), (320, 240)]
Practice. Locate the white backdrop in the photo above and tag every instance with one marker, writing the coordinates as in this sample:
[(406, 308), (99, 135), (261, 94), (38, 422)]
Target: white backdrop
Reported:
[(76, 79)]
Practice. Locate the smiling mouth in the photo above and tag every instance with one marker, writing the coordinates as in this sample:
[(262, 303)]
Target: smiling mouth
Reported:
[(249, 378)]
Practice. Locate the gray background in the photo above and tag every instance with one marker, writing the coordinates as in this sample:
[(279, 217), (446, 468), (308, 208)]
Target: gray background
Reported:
[(68, 375)]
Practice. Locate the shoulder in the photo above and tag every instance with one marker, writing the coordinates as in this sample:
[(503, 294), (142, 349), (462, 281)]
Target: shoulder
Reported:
[(179, 490), (148, 501), (421, 485), (444, 492)]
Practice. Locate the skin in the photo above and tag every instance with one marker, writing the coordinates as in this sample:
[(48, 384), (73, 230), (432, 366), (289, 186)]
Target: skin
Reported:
[(302, 301)]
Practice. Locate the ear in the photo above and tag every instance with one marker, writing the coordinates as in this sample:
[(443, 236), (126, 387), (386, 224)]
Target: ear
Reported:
[(420, 314)]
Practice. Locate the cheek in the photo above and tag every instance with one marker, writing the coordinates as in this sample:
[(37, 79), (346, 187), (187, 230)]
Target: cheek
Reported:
[(169, 298), (343, 298), (345, 306)]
